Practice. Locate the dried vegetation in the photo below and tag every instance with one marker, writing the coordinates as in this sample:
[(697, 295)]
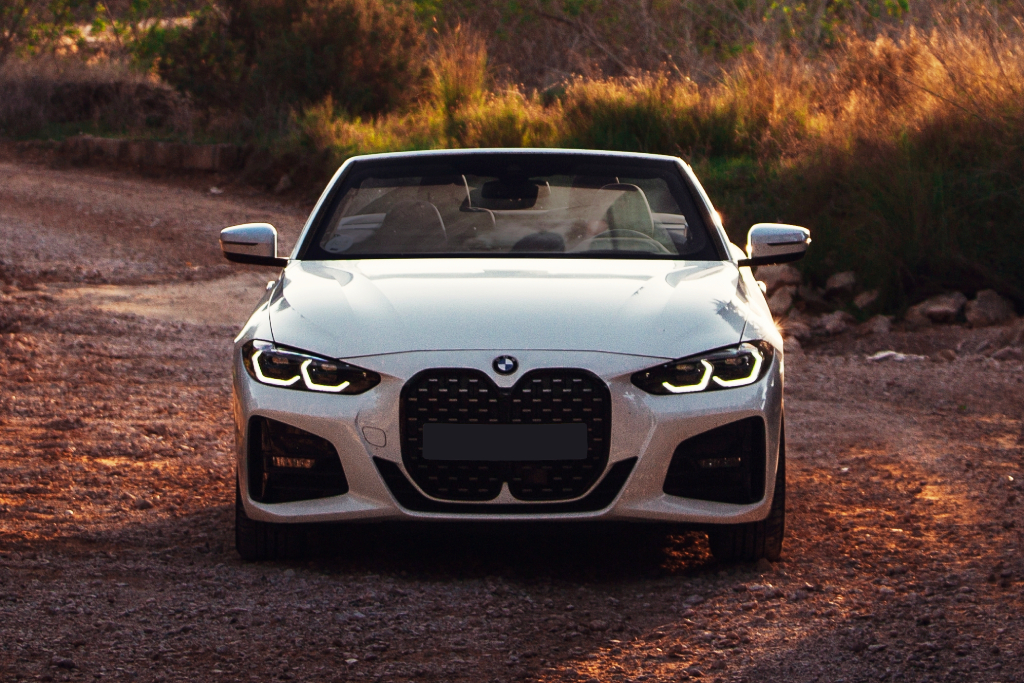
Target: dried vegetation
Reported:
[(893, 131)]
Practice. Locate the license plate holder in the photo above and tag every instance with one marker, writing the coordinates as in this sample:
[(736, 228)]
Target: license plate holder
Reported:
[(505, 442)]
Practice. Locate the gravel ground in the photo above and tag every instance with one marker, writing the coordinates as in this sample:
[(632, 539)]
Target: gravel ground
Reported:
[(902, 562)]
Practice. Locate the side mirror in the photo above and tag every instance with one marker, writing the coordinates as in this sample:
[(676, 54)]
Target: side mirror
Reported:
[(769, 243), (252, 243)]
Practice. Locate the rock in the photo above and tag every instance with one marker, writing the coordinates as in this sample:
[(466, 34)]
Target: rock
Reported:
[(1015, 334), (857, 645), (841, 283), (944, 308), (764, 566), (64, 663), (813, 299), (834, 323), (781, 301), (893, 356), (988, 308), (915, 317), (943, 356), (283, 185), (142, 504), (693, 672), (778, 276), (879, 324), (865, 299), (797, 329), (598, 625), (1008, 353), (694, 600), (791, 345)]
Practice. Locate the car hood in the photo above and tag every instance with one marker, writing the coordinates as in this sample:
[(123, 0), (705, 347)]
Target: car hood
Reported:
[(346, 309)]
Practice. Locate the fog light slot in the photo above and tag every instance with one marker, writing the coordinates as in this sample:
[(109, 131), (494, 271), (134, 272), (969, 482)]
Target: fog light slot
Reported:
[(288, 464), (293, 463), (724, 465), (719, 463)]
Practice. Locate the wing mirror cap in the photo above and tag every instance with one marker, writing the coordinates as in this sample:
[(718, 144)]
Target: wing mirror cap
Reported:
[(771, 243), (252, 243)]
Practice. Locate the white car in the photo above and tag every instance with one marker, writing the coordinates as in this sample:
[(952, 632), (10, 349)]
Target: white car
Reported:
[(504, 334)]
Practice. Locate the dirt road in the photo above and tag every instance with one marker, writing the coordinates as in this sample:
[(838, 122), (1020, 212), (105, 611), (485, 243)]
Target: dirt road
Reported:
[(903, 559)]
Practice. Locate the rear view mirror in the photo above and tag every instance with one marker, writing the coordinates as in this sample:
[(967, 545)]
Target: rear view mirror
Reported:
[(252, 243), (769, 243)]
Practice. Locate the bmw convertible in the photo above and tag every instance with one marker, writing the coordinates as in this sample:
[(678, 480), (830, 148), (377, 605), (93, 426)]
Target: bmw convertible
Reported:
[(509, 335)]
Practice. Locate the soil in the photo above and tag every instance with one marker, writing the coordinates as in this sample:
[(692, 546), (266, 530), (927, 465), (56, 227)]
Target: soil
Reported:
[(902, 561)]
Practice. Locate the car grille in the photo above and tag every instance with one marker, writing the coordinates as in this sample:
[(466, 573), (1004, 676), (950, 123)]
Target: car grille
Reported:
[(466, 396)]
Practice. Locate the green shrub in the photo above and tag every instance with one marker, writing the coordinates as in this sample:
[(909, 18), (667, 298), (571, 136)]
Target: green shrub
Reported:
[(268, 57)]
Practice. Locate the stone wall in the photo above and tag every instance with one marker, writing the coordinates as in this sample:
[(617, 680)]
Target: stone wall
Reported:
[(171, 156)]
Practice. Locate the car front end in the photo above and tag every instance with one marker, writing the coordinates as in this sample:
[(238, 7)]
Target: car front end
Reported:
[(511, 387)]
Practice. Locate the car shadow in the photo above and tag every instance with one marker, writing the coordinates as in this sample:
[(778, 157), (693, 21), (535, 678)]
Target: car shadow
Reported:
[(584, 551)]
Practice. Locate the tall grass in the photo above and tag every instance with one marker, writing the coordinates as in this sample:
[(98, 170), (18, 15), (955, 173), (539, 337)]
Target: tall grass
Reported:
[(905, 156), (894, 131)]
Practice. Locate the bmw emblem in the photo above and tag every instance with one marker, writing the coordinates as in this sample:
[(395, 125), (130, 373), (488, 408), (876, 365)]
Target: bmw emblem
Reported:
[(505, 365)]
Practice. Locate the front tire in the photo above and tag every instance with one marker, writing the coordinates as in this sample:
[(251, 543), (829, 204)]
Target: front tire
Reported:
[(751, 541), (256, 541)]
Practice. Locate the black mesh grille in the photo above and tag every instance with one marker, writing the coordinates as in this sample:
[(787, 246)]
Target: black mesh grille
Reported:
[(465, 396)]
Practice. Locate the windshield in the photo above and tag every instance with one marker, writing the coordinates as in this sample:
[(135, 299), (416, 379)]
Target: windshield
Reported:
[(511, 205)]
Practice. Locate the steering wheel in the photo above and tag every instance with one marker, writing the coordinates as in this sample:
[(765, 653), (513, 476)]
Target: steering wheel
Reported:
[(642, 242)]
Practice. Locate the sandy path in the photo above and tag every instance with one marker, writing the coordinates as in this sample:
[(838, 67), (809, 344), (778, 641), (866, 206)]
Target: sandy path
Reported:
[(903, 559), (75, 226), (224, 301)]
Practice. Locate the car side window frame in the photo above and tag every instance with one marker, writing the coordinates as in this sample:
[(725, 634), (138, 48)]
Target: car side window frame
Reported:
[(707, 210)]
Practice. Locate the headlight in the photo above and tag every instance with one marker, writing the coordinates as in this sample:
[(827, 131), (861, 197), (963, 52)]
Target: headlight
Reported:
[(269, 364), (737, 366)]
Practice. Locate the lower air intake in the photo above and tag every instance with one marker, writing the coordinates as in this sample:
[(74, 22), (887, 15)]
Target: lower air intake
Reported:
[(724, 465), (287, 464)]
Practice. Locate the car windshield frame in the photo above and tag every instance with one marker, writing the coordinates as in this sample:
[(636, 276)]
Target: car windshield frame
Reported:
[(678, 184)]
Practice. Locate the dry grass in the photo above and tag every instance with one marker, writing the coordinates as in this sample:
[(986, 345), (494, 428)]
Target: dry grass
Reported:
[(905, 155), (46, 95), (899, 141)]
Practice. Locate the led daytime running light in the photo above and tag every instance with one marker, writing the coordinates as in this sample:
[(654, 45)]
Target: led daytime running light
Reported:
[(755, 372), (693, 388), (319, 387), (270, 380)]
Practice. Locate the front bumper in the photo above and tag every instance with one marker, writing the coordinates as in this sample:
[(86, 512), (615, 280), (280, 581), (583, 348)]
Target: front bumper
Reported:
[(645, 430)]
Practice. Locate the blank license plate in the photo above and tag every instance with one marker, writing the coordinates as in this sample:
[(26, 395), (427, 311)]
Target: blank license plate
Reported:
[(515, 443)]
